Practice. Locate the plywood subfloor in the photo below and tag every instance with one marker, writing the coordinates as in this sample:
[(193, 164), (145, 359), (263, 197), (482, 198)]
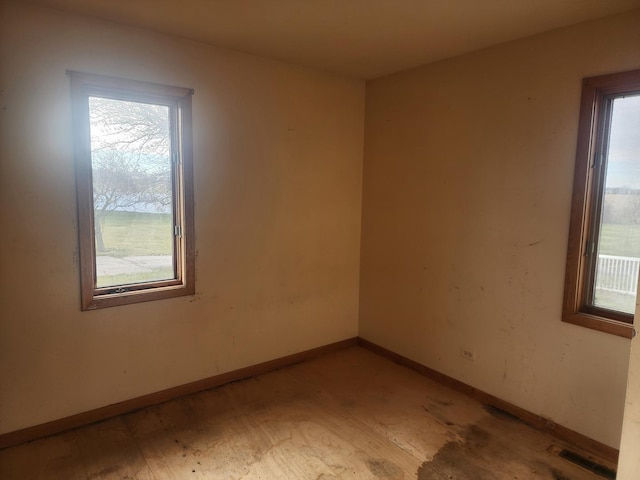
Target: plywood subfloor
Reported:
[(348, 415)]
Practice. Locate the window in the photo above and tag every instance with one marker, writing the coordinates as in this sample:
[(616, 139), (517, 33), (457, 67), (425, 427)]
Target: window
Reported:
[(134, 180), (604, 238)]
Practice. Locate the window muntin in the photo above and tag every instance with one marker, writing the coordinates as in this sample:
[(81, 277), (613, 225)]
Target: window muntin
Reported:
[(604, 248), (135, 190)]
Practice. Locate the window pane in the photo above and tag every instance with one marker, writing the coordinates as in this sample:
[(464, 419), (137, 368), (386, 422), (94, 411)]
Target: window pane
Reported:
[(132, 191), (616, 272)]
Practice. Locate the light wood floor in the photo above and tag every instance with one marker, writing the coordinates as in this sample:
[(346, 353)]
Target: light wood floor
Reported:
[(348, 415)]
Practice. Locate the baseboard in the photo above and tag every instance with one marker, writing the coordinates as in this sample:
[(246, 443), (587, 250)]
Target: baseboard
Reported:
[(85, 418), (563, 433)]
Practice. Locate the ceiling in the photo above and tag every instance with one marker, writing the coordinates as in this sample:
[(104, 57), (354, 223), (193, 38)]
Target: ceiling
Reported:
[(358, 38)]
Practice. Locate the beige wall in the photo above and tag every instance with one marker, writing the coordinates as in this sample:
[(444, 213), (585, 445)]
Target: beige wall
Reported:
[(278, 166), (467, 185), (629, 464)]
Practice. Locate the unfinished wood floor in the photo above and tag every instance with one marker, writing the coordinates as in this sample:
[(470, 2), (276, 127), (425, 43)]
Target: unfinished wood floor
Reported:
[(349, 415)]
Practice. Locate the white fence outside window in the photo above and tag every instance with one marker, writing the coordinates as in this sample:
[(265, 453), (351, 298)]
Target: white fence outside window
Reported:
[(617, 274)]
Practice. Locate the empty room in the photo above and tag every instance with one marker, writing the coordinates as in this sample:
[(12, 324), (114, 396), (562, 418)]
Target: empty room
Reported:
[(365, 239)]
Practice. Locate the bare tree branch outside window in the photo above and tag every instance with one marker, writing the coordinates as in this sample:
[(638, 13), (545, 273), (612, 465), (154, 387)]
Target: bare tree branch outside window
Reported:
[(131, 159)]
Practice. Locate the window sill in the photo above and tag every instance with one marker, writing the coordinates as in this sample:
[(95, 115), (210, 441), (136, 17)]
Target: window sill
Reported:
[(601, 324), (138, 296)]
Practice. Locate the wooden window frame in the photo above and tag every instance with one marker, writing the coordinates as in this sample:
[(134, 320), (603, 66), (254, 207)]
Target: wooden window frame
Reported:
[(587, 188), (178, 99)]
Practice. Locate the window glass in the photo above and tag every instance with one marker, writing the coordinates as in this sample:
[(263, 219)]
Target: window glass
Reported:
[(132, 191), (618, 238)]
